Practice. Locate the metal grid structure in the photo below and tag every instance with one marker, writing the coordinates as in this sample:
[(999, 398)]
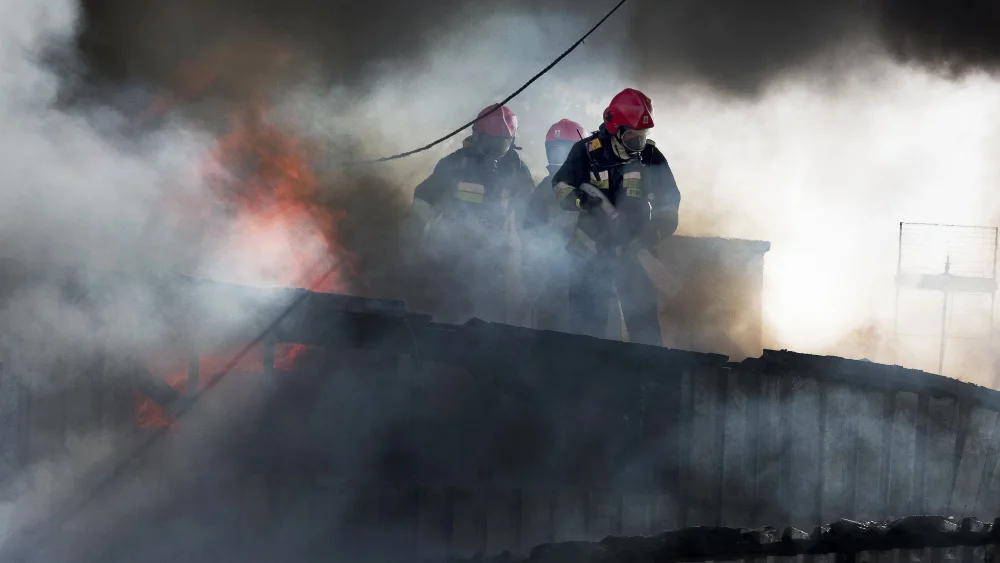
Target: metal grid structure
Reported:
[(950, 259)]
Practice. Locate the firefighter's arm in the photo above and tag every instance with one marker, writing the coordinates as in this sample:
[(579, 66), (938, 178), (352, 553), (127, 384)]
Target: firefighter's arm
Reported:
[(567, 180), (433, 189), (426, 197), (524, 187), (664, 203)]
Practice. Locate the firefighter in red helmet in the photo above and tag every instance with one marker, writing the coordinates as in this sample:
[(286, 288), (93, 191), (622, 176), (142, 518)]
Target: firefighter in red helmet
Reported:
[(460, 221), (544, 231), (629, 200)]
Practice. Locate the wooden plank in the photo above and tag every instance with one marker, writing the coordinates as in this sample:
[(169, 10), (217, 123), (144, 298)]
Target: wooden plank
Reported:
[(868, 489), (703, 480), (664, 513), (804, 453), (536, 519), (939, 472), (738, 477), (839, 452), (971, 461), (989, 497), (603, 516), (398, 512), (502, 521), (920, 461), (684, 431), (752, 443), (903, 452), (468, 522), (638, 512), (434, 525), (770, 446), (661, 421), (569, 515)]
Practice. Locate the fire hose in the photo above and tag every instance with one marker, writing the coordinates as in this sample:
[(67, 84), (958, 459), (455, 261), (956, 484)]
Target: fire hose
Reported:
[(661, 276)]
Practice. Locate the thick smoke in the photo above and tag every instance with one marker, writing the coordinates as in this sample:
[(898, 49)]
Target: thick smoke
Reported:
[(736, 46), (379, 78), (742, 47)]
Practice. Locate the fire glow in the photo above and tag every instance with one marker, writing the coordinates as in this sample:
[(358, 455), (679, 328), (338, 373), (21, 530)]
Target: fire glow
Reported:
[(276, 232), (279, 235)]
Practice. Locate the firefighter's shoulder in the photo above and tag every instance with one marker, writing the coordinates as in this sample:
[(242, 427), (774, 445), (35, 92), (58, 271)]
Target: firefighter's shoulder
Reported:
[(453, 161), (652, 154)]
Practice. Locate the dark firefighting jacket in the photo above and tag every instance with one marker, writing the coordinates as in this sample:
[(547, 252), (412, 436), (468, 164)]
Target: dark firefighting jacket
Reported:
[(542, 206), (468, 187), (642, 189)]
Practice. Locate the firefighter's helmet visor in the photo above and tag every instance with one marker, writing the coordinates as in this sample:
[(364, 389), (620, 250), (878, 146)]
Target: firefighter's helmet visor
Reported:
[(635, 139), (494, 147)]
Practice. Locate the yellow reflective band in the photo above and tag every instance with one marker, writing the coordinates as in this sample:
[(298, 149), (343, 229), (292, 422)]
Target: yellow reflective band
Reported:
[(595, 144), (470, 192), (632, 175), (633, 192), (470, 197), (469, 187)]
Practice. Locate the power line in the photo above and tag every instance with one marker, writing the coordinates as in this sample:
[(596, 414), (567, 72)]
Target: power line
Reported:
[(62, 517), (504, 101)]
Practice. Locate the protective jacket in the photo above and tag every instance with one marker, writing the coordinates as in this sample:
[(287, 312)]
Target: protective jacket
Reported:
[(460, 232), (642, 189), (470, 188)]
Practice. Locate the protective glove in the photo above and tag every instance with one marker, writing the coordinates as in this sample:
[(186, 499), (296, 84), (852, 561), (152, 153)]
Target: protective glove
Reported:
[(649, 236), (662, 223)]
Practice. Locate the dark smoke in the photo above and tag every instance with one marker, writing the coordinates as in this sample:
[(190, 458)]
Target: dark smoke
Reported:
[(149, 39), (740, 47), (735, 46), (954, 37)]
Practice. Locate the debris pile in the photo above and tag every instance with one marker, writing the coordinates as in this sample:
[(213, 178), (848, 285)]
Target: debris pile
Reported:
[(728, 543)]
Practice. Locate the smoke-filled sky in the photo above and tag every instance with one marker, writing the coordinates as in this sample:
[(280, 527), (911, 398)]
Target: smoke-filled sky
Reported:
[(817, 126)]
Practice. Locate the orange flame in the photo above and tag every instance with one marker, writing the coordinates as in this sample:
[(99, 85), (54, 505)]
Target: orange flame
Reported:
[(149, 415), (279, 235)]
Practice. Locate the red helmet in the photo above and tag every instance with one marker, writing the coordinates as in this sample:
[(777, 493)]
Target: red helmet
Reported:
[(630, 108), (566, 130), (500, 123)]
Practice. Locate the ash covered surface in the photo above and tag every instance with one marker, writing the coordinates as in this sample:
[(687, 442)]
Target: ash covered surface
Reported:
[(705, 543)]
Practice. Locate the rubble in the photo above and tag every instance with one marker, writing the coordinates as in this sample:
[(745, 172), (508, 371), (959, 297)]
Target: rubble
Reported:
[(706, 543)]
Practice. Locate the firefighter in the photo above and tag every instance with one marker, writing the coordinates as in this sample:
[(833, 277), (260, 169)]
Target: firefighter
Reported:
[(628, 199), (460, 221), (544, 232)]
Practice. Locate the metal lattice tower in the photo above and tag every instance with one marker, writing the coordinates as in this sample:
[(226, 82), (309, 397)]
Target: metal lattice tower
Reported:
[(951, 260)]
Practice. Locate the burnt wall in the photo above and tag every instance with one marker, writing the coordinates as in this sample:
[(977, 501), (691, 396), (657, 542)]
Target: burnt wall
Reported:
[(395, 438)]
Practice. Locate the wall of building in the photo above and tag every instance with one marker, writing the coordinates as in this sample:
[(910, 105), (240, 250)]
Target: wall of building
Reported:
[(420, 439)]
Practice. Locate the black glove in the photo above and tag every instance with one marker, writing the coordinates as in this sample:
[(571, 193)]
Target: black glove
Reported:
[(588, 203), (665, 220), (662, 223)]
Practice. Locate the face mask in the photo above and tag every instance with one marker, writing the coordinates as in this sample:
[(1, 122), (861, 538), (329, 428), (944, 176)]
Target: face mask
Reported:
[(557, 151), (494, 147), (635, 139)]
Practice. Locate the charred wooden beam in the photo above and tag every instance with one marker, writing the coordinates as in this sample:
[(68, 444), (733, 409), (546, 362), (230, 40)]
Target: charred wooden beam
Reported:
[(844, 537)]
